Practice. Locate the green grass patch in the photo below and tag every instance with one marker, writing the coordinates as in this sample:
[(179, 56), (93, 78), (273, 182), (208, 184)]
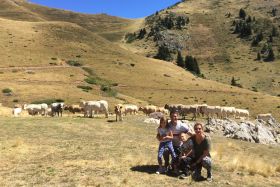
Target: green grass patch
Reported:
[(7, 90), (108, 90), (84, 88), (73, 63)]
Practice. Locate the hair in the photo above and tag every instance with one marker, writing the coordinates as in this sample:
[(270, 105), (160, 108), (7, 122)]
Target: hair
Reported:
[(163, 118), (174, 112), (198, 124)]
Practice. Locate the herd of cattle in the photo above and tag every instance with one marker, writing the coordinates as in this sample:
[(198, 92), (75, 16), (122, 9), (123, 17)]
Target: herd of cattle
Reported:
[(90, 108)]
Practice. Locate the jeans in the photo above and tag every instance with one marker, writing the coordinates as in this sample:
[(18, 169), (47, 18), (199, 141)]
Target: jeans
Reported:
[(161, 149)]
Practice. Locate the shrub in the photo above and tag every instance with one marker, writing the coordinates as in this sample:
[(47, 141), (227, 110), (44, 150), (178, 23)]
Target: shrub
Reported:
[(85, 88), (91, 80), (130, 37), (88, 70), (73, 63), (15, 100), (7, 90), (108, 90)]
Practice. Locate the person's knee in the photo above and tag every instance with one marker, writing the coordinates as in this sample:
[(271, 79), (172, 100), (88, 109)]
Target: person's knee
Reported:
[(207, 162)]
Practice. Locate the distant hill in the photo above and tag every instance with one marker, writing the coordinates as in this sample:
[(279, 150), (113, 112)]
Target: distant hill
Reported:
[(215, 36), (49, 53)]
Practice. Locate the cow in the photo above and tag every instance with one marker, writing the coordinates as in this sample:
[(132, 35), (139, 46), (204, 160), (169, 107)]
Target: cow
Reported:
[(242, 113), (91, 107), (266, 117), (119, 110), (33, 109), (148, 109), (73, 108), (16, 111), (57, 108)]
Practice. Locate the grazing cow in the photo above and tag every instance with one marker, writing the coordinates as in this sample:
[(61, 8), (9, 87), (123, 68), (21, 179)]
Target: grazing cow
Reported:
[(33, 109), (148, 109), (74, 108), (162, 110), (130, 108), (91, 107), (266, 117), (16, 111), (57, 108), (228, 111), (242, 113)]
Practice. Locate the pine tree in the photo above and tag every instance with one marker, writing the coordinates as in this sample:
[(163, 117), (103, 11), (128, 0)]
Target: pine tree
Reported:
[(233, 82), (189, 63), (163, 53), (242, 13), (196, 67), (180, 60)]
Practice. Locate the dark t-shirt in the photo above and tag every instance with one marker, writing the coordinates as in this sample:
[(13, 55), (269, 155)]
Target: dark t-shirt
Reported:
[(200, 148)]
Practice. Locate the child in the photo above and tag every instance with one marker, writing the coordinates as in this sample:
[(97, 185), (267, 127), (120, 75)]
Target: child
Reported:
[(186, 155), (165, 137)]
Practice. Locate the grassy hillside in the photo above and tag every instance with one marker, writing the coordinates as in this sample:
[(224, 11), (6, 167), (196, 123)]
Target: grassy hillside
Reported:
[(220, 53), (89, 152), (36, 57)]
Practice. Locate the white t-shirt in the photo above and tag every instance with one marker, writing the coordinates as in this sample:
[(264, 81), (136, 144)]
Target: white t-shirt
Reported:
[(176, 130), (163, 132)]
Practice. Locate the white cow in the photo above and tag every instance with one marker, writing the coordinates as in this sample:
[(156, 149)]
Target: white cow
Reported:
[(16, 111), (242, 113), (266, 117), (91, 107), (228, 112), (33, 109), (130, 108)]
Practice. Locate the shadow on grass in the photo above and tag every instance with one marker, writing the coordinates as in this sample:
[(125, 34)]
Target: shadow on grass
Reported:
[(150, 169), (111, 121)]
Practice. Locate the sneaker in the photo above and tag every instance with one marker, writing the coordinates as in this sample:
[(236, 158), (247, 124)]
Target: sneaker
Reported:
[(209, 176), (199, 178), (160, 170), (183, 176), (209, 179)]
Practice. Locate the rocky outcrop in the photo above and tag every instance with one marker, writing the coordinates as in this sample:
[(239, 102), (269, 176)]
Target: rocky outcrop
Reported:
[(257, 131)]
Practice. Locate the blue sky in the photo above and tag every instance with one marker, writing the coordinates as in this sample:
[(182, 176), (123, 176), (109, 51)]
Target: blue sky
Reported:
[(121, 8)]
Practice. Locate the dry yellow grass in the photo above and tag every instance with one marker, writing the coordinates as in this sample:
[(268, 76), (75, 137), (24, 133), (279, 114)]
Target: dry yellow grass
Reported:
[(90, 152)]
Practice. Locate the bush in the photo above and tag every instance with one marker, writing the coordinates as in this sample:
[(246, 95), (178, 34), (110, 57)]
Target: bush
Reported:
[(91, 80), (88, 70), (7, 90), (85, 88), (73, 63), (108, 90)]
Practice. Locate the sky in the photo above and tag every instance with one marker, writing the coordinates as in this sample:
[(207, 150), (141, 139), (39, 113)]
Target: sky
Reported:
[(120, 8)]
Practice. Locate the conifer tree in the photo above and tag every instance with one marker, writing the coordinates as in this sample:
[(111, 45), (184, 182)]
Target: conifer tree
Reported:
[(233, 82), (180, 60), (242, 13)]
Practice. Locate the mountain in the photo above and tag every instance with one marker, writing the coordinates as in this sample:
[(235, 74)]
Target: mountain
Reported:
[(213, 35), (49, 53)]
